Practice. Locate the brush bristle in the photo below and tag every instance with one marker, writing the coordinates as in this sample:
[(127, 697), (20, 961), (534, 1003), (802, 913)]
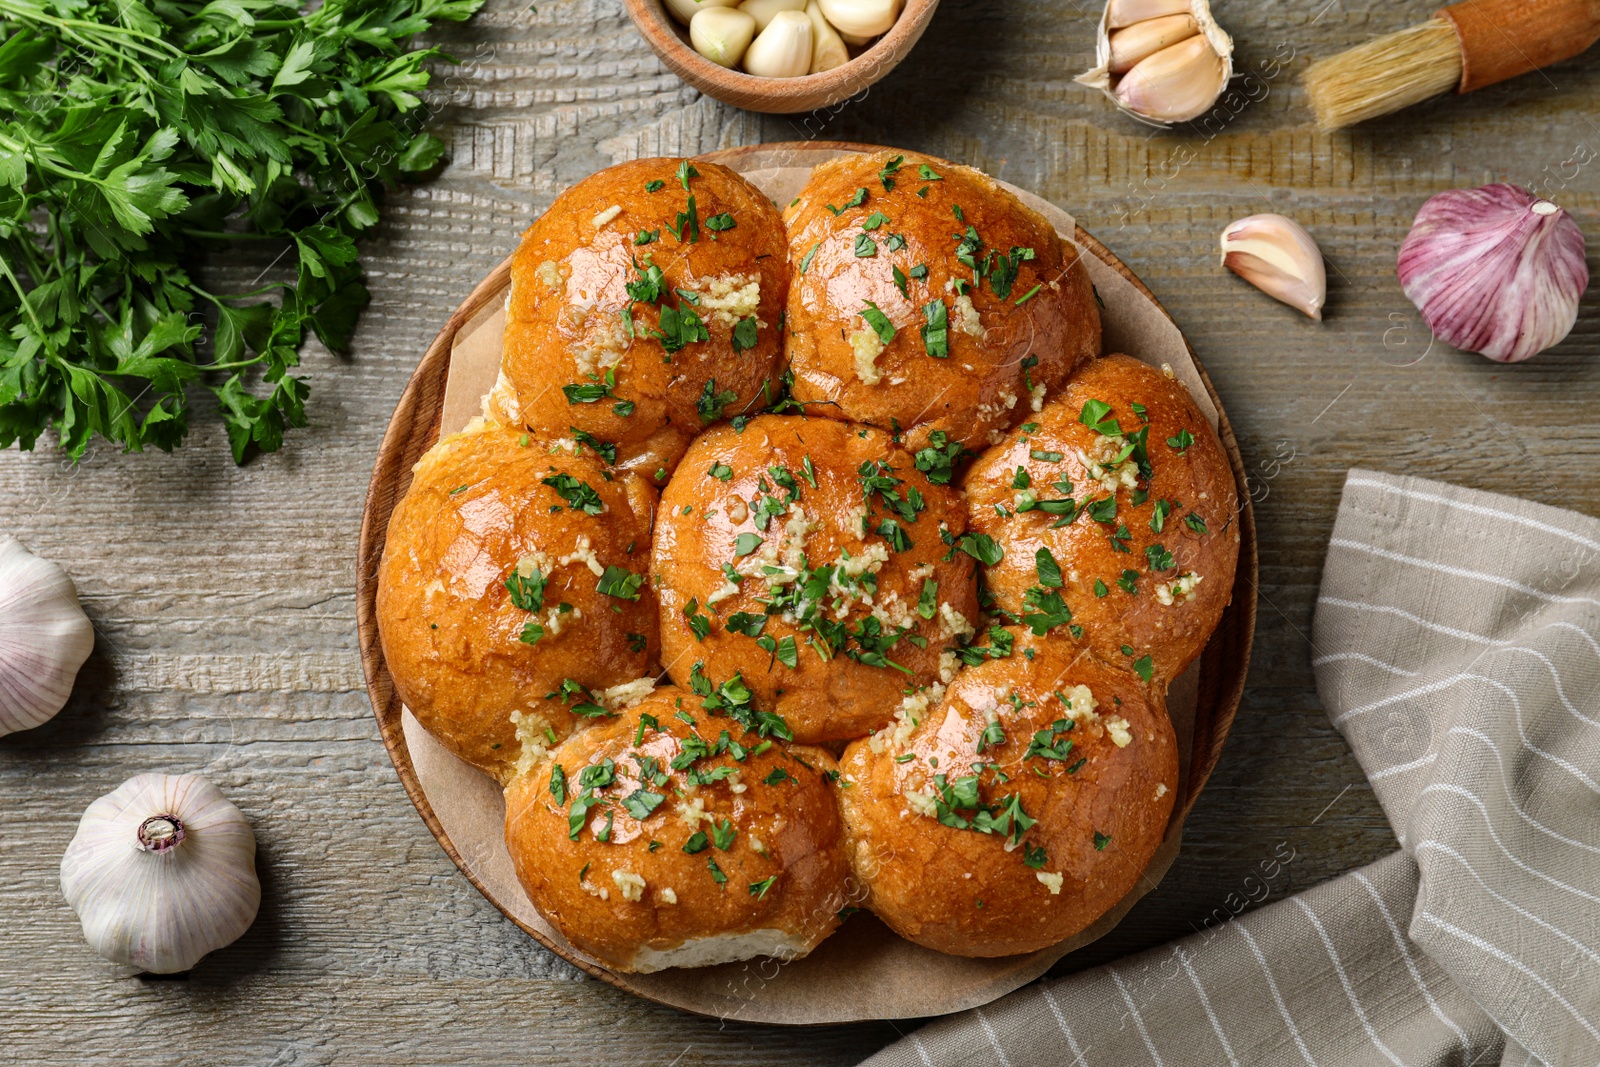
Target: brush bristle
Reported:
[(1385, 75)]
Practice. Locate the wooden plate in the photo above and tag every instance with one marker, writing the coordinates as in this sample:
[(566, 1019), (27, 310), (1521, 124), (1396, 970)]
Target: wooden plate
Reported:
[(1217, 686)]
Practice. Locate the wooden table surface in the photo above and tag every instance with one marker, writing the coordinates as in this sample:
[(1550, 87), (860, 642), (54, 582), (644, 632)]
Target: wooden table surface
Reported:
[(224, 597)]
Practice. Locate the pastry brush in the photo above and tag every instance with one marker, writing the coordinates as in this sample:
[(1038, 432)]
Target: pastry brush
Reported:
[(1463, 47)]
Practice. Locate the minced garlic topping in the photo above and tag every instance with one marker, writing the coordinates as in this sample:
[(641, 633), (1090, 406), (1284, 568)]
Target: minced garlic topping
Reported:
[(1180, 589), (966, 316), (627, 694), (1101, 469), (923, 804), (1081, 704), (867, 346), (604, 347), (583, 553), (550, 273), (952, 623), (607, 215), (533, 741), (1051, 881), (1117, 730), (667, 895), (632, 885), (693, 812), (731, 297)]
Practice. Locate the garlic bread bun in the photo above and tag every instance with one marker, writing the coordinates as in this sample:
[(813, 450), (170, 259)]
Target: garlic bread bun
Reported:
[(486, 666), (807, 557), (652, 842), (1147, 576), (1017, 809), (625, 340), (882, 243)]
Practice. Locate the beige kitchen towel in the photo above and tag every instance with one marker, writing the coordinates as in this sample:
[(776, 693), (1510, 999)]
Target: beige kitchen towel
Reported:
[(1457, 648)]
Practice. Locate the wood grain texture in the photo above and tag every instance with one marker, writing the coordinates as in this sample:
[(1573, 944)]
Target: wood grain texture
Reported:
[(224, 597)]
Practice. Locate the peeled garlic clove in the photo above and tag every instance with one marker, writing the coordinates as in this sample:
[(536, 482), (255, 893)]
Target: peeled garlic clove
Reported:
[(1176, 84), (827, 47), (1120, 13), (162, 871), (763, 10), (685, 10), (855, 40), (860, 19), (1495, 270), (722, 34), (44, 638), (783, 49), (1147, 38), (1277, 256), (1153, 67)]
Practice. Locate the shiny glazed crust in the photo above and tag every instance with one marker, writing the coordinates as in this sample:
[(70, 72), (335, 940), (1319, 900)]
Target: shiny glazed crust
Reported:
[(775, 818), (699, 527), (983, 386), (451, 634), (1193, 488), (566, 323), (1100, 808)]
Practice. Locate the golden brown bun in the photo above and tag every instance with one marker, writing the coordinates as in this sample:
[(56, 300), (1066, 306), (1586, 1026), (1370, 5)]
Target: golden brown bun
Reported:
[(959, 890), (478, 507), (565, 312), (702, 519), (980, 387), (1195, 482), (673, 912)]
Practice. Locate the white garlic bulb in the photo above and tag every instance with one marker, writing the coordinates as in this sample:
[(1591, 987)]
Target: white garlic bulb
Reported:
[(1163, 61), (1276, 255), (1495, 270), (44, 638), (162, 871)]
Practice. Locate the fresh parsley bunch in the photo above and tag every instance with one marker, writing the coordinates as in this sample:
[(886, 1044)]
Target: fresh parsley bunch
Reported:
[(138, 135)]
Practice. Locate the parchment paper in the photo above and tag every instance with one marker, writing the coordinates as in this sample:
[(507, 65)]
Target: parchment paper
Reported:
[(864, 971)]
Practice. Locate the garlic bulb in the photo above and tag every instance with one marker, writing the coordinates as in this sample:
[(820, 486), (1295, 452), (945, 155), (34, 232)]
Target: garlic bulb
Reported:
[(1163, 61), (1277, 256), (161, 872), (783, 49), (1495, 270), (44, 638), (722, 34)]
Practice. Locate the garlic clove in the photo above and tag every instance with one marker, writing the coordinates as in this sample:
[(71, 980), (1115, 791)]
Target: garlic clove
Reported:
[(763, 10), (1146, 38), (783, 49), (1153, 66), (44, 638), (1277, 256), (1120, 13), (161, 872), (722, 34), (855, 40), (1495, 270), (827, 47), (1175, 84), (685, 10), (860, 19)]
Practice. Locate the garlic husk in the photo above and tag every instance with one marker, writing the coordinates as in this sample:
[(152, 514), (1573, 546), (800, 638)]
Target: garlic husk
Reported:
[(161, 872), (857, 20), (783, 49), (685, 10), (763, 10), (44, 638), (722, 34), (1495, 270), (1175, 84), (1276, 255), (827, 47)]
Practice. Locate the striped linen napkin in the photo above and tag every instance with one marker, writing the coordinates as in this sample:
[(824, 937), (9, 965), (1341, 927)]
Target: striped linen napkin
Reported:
[(1457, 649)]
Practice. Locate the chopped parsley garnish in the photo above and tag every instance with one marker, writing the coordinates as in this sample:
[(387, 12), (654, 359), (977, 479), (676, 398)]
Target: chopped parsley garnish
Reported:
[(1102, 510), (1101, 841), (1049, 611), (1094, 415), (685, 172), (928, 603), (1003, 274), (900, 280), (527, 593), (698, 623), (878, 321), (641, 802), (980, 547), (719, 223), (745, 333), (1181, 441), (679, 326), (558, 783), (604, 449), (889, 170), (938, 461), (1160, 559), (720, 471), (1159, 513), (716, 872), (644, 237), (865, 246), (595, 390), (620, 583), (1050, 743), (777, 776), (654, 185), (709, 406), (698, 842), (1195, 523), (1100, 588), (759, 889), (1127, 581), (1144, 667), (723, 833), (936, 331), (745, 544), (928, 174), (1045, 457), (805, 263), (1034, 857), (993, 735), (1023, 299), (747, 623), (1049, 570), (874, 220), (579, 495)]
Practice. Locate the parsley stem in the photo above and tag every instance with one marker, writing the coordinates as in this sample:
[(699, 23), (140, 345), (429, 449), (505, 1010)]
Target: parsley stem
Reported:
[(22, 294)]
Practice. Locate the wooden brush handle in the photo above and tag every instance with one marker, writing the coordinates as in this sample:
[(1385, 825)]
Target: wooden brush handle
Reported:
[(1501, 39)]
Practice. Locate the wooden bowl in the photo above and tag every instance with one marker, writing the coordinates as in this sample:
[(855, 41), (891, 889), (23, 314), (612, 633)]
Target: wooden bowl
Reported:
[(779, 96), (1218, 686)]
